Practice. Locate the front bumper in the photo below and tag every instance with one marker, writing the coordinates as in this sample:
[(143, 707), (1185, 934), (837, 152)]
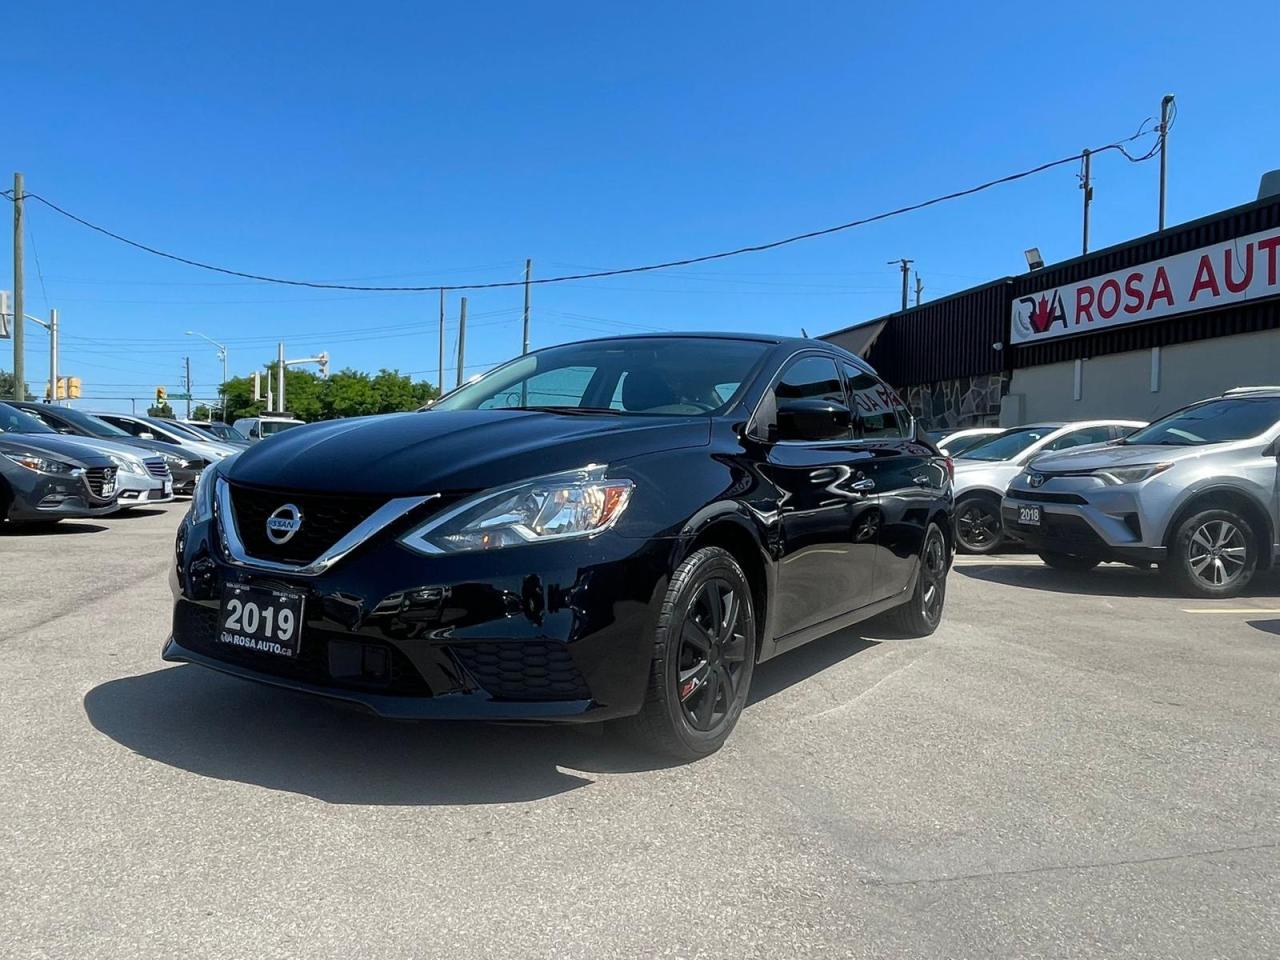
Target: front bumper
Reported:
[(185, 480), (1083, 520), (545, 632), (43, 496), (135, 490)]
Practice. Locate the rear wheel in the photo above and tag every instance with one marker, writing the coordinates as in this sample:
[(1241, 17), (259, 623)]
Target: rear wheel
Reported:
[(1068, 561), (920, 615), (704, 654), (978, 528), (1213, 553)]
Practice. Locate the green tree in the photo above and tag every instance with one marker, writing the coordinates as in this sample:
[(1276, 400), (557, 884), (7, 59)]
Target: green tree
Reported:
[(7, 384), (347, 393), (201, 412), (160, 410)]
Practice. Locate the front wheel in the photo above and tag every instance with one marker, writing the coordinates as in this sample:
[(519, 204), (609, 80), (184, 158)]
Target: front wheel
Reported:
[(704, 653), (978, 527), (1213, 553)]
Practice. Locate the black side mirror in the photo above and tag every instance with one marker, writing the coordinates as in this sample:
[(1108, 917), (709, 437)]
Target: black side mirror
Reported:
[(813, 419)]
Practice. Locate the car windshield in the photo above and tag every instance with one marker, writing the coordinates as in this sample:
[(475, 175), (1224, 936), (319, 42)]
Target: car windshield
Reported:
[(957, 448), (269, 427), (13, 420), (1217, 421), (685, 376), (92, 425), (183, 430), (224, 430), (1007, 445)]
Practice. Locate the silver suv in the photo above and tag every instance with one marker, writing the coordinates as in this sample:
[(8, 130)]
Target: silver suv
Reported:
[(1197, 492)]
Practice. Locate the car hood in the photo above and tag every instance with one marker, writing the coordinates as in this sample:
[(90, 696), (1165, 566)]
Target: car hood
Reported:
[(145, 448), (111, 446), (994, 474), (453, 450), (1116, 455), (63, 448)]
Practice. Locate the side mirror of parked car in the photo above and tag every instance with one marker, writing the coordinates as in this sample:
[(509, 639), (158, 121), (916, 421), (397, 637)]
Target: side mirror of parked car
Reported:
[(813, 419)]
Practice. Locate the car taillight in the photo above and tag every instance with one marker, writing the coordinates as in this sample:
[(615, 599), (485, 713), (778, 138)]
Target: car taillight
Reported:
[(951, 469)]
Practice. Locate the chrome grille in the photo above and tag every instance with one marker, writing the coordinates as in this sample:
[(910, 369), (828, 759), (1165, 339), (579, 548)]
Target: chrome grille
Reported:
[(158, 468)]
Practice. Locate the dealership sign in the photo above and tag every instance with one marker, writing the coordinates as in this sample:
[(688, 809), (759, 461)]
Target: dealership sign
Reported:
[(1230, 272)]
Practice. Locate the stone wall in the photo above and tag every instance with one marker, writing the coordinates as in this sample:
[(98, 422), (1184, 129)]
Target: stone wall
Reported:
[(951, 404)]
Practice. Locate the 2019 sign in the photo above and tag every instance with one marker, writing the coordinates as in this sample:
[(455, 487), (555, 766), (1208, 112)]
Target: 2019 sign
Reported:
[(1230, 272)]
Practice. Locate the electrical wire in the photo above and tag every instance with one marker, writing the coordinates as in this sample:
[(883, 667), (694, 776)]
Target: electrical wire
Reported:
[(1118, 146)]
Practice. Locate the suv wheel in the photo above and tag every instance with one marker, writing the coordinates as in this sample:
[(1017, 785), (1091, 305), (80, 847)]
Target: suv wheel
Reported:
[(978, 527), (1213, 553), (704, 653)]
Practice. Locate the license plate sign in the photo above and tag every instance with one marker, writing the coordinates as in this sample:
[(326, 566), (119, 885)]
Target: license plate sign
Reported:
[(262, 621), (1029, 516)]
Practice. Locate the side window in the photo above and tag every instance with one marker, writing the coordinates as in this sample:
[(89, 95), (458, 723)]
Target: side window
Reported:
[(879, 412), (808, 378), (561, 387), (129, 425), (1078, 438)]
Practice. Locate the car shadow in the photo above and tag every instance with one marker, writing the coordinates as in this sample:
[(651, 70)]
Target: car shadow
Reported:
[(1110, 580), (224, 728), (1266, 626), (61, 529), (138, 512)]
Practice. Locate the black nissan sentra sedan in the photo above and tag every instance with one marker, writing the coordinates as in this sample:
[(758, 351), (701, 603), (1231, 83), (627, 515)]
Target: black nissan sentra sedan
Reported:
[(611, 530)]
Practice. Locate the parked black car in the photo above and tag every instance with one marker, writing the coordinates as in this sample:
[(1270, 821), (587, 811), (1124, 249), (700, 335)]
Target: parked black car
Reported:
[(44, 479), (615, 529), (185, 465)]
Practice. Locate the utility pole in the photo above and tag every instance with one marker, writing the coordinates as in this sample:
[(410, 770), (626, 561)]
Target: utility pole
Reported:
[(1165, 103), (919, 287), (53, 358), (19, 344), (1086, 184), (188, 390), (462, 338), (280, 377), (528, 270), (905, 267), (440, 379)]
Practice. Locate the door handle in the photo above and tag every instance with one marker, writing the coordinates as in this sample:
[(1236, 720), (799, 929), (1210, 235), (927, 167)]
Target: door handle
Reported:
[(862, 486), (922, 481)]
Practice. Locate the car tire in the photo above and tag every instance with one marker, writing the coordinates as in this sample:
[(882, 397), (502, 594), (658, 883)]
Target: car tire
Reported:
[(978, 526), (1212, 554), (678, 718), (1068, 561), (920, 615)]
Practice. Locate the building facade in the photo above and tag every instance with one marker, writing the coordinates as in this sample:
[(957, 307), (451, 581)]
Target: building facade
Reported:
[(1132, 331)]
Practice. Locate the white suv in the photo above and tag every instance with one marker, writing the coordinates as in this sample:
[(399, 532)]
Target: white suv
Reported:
[(259, 428)]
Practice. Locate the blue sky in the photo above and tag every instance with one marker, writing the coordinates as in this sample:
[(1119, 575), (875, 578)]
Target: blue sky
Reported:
[(424, 143)]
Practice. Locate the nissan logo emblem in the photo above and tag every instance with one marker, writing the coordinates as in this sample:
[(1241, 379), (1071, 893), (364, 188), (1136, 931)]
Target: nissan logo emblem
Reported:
[(283, 523), (1035, 479)]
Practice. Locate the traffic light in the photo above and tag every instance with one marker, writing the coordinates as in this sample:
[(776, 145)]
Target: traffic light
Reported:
[(73, 388), (161, 393)]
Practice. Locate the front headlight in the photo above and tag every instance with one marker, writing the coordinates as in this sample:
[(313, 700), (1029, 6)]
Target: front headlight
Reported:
[(129, 464), (1136, 473), (39, 462), (563, 506), (202, 497)]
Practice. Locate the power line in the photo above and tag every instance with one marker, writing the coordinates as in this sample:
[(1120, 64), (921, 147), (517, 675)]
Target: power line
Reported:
[(1118, 146)]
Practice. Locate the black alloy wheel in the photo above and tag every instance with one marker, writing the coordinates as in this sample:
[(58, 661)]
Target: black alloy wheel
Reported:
[(712, 655), (921, 615), (978, 527), (704, 654)]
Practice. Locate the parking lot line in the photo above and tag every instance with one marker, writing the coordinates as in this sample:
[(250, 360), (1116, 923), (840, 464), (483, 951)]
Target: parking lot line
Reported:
[(1237, 610)]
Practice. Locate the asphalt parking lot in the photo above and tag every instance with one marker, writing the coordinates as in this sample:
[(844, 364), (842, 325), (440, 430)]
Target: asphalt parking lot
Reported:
[(1074, 765)]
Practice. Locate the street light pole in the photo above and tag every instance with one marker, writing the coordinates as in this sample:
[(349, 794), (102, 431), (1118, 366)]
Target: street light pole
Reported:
[(222, 355)]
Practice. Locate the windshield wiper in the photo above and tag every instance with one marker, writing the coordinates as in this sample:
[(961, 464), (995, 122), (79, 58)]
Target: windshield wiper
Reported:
[(551, 408)]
